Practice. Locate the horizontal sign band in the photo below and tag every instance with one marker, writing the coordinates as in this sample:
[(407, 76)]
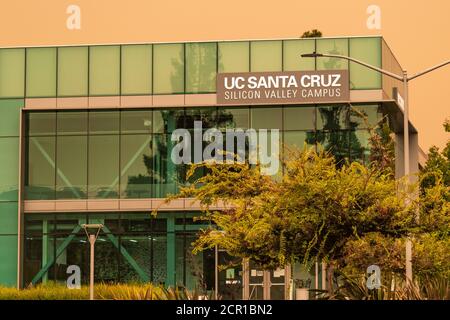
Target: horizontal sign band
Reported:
[(283, 87)]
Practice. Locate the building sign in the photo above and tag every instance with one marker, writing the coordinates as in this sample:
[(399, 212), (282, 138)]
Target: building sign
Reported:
[(283, 87)]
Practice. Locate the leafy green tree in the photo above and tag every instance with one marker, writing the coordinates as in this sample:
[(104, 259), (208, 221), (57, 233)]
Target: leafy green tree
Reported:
[(438, 165), (311, 213)]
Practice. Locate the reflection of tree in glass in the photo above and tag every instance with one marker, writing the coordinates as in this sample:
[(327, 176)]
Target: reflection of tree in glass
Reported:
[(333, 63), (201, 67), (340, 141)]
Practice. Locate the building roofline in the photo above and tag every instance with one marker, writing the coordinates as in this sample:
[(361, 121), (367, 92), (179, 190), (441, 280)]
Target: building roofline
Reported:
[(191, 41)]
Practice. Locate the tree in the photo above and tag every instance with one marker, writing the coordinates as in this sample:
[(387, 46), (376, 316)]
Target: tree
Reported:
[(310, 214), (431, 241), (437, 166), (314, 33)]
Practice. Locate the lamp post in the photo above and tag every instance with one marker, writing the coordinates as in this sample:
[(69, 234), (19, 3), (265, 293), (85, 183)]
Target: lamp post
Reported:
[(405, 80), (92, 238)]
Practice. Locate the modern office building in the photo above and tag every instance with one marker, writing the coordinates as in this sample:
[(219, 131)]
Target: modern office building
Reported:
[(85, 137)]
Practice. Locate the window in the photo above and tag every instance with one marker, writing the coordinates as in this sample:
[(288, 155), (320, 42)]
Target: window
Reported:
[(201, 59), (297, 139), (71, 177), (332, 117), (72, 123), (104, 122), (365, 116), (266, 56), (40, 169), (292, 49), (332, 46), (136, 69), (41, 72), (168, 66), (367, 50), (9, 117), (103, 166), (12, 66), (359, 146), (136, 121), (136, 166), (233, 118), (266, 118), (207, 117), (167, 120), (41, 123), (104, 70), (234, 57), (9, 159), (72, 71), (299, 118)]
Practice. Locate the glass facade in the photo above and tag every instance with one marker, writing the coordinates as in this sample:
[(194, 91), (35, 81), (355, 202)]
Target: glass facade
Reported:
[(174, 68), (134, 247), (124, 154), (9, 186), (117, 153), (73, 71)]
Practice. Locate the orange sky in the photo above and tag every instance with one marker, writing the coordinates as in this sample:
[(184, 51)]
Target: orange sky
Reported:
[(418, 32)]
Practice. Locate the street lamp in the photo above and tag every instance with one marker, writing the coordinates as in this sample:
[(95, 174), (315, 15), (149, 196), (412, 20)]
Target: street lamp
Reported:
[(92, 238), (405, 79)]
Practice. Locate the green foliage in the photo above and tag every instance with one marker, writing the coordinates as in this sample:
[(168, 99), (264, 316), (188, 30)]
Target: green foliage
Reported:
[(437, 166), (57, 291), (355, 288), (310, 213)]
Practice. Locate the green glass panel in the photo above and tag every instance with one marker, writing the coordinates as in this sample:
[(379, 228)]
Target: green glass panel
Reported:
[(40, 168), (10, 117), (8, 257), (166, 175), (12, 73), (266, 55), (297, 139), (359, 146), (365, 116), (8, 218), (201, 64), (72, 123), (292, 49), (136, 166), (168, 68), (73, 71), (266, 118), (367, 50), (337, 142), (9, 168), (167, 120), (332, 117), (207, 117), (299, 118), (104, 122), (238, 118), (41, 72), (136, 121), (104, 70), (103, 167), (41, 123), (332, 46), (234, 56), (136, 70), (71, 177)]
